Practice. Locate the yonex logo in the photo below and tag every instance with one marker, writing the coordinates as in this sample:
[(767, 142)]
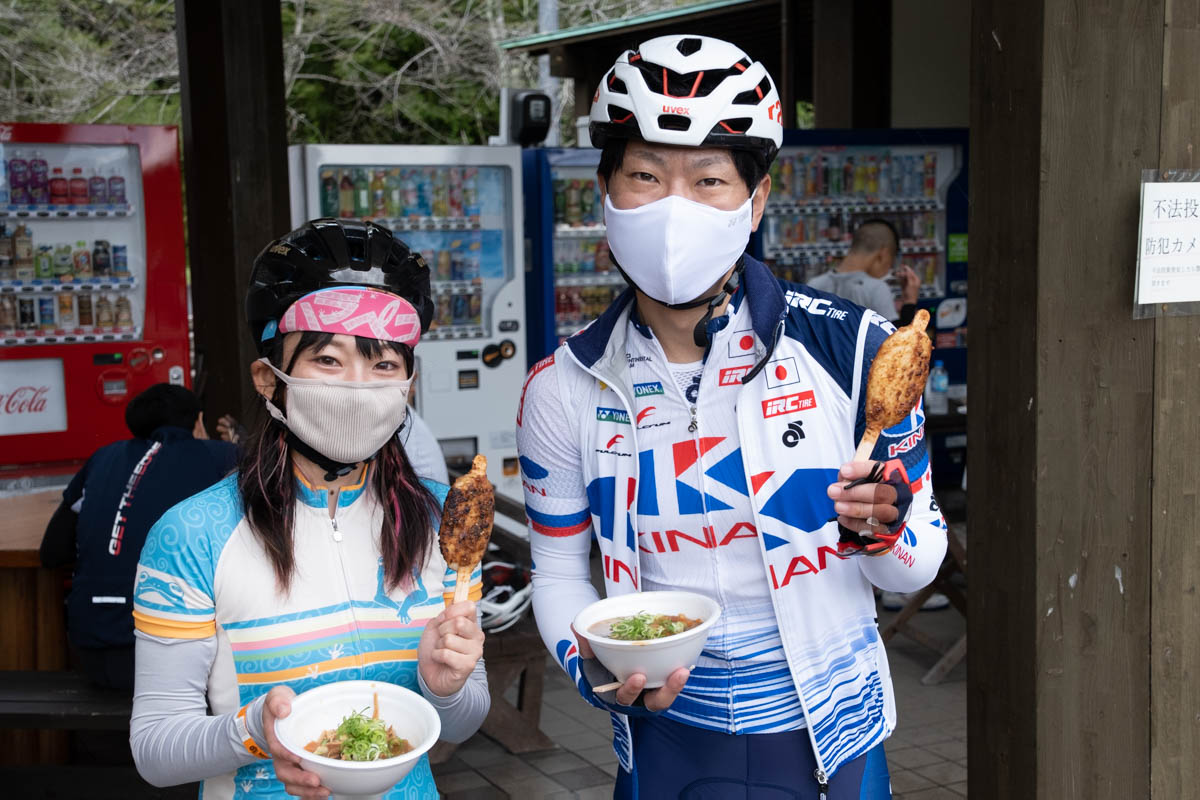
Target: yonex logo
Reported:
[(612, 415), (793, 434), (788, 404), (646, 389)]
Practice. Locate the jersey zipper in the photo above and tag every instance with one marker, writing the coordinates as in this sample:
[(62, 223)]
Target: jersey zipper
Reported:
[(819, 773), (336, 533)]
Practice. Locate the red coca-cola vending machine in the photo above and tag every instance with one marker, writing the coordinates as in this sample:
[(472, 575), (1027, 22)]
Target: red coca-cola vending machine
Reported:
[(93, 298)]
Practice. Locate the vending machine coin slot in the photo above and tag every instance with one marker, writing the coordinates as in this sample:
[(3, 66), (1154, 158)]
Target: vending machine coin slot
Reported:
[(509, 326), (113, 386), (492, 355)]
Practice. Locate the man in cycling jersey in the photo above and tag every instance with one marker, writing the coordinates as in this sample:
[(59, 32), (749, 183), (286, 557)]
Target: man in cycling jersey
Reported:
[(701, 431)]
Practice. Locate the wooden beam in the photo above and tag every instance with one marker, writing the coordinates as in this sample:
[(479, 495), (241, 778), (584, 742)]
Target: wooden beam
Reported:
[(1175, 602), (833, 63), (1006, 107), (235, 156), (1065, 113)]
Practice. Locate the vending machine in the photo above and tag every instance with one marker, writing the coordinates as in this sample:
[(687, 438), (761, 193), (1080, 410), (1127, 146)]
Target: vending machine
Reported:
[(827, 183), (571, 278), (461, 208), (93, 298)]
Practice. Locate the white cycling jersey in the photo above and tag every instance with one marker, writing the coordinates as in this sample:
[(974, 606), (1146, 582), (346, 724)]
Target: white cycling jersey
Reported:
[(727, 496)]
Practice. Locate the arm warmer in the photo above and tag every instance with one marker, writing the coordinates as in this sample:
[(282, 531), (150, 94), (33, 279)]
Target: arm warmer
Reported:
[(172, 736)]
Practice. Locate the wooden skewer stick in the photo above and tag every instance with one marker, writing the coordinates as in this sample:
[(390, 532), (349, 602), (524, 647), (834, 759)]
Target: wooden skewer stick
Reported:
[(462, 584), (608, 687)]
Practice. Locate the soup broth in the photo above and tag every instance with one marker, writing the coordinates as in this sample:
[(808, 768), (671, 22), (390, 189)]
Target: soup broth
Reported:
[(643, 626)]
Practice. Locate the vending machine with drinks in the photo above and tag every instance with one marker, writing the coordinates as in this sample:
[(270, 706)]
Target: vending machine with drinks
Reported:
[(461, 208), (93, 299), (827, 183), (571, 278)]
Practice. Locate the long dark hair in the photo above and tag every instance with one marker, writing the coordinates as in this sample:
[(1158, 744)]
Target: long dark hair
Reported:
[(268, 488)]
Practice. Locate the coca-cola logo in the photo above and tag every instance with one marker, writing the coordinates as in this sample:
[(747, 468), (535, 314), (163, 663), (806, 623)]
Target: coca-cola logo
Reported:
[(25, 400)]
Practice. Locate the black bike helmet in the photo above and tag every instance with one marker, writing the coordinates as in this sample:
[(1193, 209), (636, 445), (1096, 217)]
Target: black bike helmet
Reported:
[(330, 252)]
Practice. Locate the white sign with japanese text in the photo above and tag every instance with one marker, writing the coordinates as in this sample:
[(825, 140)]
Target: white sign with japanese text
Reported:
[(1169, 244), (33, 397)]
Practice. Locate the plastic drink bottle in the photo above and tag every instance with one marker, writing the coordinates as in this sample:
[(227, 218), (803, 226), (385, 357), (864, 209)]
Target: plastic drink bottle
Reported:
[(441, 194), (86, 317), (60, 194), (471, 192), (378, 195), (346, 196), (46, 314), (395, 198), (329, 194), (97, 189), (39, 179), (102, 258), (116, 188), (124, 311), (43, 263), (454, 205), (411, 193), (64, 265), (3, 182), (936, 399), (120, 260), (79, 187), (362, 195), (66, 310), (8, 312), (82, 260), (104, 312), (18, 179)]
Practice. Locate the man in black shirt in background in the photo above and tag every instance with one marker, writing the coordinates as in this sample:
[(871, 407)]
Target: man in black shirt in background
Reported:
[(110, 506)]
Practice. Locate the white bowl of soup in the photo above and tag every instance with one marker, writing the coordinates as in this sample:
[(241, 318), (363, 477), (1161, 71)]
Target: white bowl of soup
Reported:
[(652, 633), (355, 758)]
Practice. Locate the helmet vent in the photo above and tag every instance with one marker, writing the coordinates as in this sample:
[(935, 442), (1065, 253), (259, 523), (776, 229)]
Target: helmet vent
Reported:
[(688, 46), (617, 86), (735, 125), (753, 97), (619, 115), (674, 122)]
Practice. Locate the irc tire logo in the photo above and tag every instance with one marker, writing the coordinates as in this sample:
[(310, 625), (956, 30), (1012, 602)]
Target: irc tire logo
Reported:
[(793, 434)]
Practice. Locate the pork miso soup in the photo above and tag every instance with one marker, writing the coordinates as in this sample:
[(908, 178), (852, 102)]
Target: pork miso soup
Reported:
[(643, 626)]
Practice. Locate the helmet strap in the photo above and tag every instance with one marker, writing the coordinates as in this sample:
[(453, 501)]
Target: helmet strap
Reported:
[(333, 469), (700, 332)]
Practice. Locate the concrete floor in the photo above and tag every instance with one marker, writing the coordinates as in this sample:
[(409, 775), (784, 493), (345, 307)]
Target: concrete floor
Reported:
[(927, 755)]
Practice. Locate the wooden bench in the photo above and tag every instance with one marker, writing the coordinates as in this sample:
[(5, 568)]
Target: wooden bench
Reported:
[(60, 701)]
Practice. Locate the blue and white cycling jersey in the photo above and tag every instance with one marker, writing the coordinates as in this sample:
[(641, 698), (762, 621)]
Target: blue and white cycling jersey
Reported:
[(727, 496)]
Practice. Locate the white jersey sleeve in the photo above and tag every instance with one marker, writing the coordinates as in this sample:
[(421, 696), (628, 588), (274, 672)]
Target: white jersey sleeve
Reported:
[(560, 521)]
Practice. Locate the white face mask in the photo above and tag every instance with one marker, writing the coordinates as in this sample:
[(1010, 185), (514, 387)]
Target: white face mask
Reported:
[(675, 249), (345, 421)]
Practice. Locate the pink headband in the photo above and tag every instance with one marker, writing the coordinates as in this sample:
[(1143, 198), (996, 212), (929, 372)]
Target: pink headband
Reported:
[(357, 311)]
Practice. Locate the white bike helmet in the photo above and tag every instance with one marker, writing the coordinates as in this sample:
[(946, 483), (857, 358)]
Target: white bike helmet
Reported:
[(689, 90), (507, 595)]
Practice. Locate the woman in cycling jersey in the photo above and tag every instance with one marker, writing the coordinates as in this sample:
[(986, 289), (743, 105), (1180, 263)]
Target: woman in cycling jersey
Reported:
[(316, 561)]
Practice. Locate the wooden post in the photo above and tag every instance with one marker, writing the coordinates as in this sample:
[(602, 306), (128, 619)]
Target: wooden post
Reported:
[(1174, 601), (833, 63), (235, 157), (1083, 428)]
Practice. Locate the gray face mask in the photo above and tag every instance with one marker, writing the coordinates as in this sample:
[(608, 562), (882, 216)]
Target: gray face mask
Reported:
[(345, 421)]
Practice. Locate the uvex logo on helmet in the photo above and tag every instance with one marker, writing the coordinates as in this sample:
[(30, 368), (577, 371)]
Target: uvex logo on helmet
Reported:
[(682, 110)]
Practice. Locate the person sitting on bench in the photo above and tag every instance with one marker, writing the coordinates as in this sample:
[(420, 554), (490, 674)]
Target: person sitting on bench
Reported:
[(110, 506)]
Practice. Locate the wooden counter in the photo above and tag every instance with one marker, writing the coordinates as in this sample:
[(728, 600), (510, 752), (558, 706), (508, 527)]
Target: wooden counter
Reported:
[(34, 633)]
